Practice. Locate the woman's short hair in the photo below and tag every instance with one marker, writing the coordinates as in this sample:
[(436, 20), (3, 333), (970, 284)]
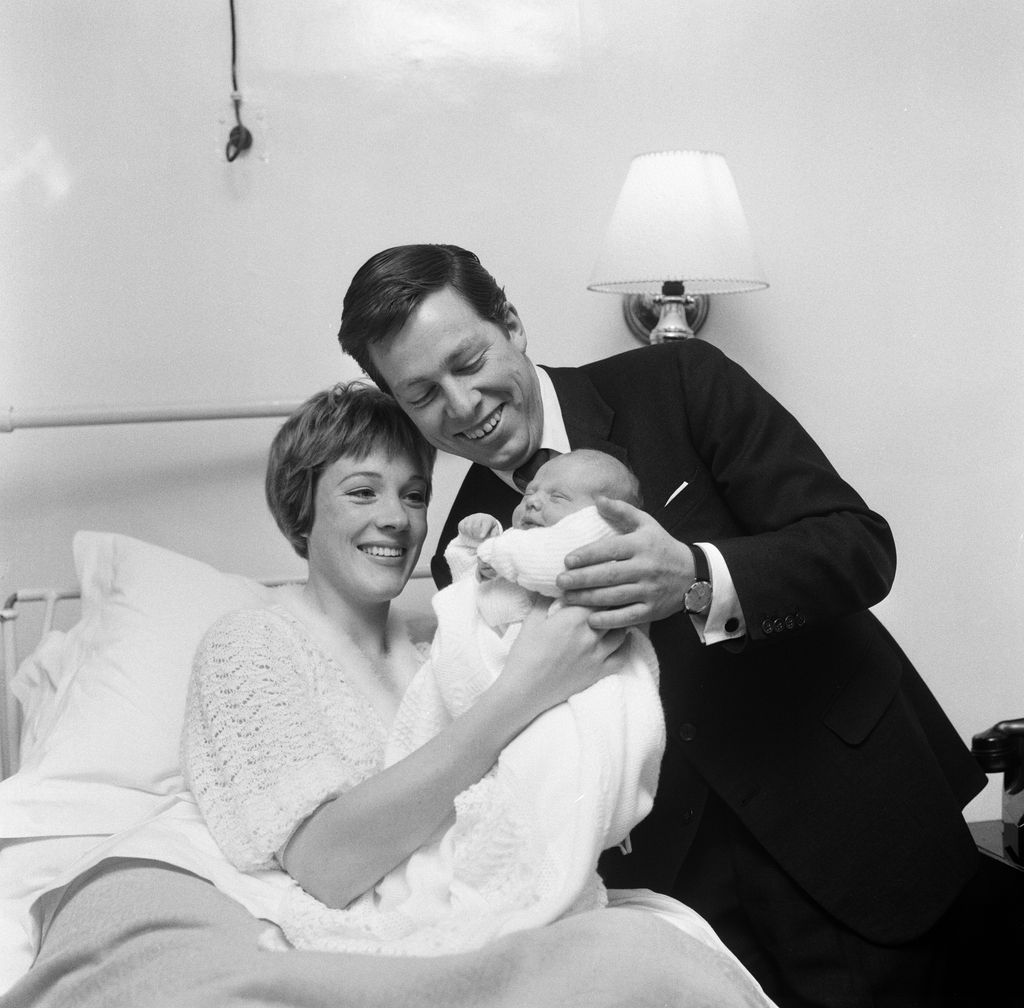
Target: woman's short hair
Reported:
[(348, 419), (390, 285)]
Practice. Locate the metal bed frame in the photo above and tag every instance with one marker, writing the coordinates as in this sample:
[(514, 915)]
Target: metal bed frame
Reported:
[(10, 708), (12, 419)]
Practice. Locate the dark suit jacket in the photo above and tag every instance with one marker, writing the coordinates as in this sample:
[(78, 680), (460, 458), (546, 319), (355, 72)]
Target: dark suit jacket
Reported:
[(818, 732)]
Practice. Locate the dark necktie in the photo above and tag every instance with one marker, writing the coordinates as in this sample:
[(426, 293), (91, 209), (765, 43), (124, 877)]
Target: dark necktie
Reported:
[(525, 473)]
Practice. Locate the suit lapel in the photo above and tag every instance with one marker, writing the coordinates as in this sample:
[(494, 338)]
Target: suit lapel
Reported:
[(588, 418), (664, 466)]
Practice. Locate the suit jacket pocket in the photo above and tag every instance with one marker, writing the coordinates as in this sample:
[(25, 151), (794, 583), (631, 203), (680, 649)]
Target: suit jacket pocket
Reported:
[(874, 677)]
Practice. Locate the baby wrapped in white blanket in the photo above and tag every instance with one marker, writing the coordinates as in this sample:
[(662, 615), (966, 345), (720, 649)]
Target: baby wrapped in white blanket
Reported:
[(522, 848)]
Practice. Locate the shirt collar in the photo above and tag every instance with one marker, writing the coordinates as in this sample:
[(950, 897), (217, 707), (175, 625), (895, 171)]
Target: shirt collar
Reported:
[(553, 433)]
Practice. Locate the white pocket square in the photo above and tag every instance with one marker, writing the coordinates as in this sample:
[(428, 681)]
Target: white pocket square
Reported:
[(675, 493)]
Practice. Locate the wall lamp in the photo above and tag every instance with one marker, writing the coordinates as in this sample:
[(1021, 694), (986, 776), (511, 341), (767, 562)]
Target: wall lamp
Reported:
[(677, 235)]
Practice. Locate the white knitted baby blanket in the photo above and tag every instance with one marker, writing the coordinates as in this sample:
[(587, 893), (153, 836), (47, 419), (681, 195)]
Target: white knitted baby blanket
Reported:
[(522, 848)]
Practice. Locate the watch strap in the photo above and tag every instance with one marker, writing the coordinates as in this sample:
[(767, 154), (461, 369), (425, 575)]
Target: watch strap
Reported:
[(697, 598), (701, 570)]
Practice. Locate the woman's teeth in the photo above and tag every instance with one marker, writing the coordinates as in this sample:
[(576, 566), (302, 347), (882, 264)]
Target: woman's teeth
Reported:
[(383, 551)]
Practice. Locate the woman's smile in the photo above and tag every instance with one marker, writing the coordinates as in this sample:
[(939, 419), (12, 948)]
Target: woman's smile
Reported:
[(384, 552)]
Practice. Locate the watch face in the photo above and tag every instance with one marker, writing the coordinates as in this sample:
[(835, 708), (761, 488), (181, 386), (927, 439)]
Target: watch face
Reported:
[(697, 599)]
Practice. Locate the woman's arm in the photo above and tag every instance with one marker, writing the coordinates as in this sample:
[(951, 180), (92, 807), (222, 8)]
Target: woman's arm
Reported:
[(258, 749), (350, 842)]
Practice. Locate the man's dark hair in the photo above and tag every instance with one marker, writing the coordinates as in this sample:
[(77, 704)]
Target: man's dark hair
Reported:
[(389, 287)]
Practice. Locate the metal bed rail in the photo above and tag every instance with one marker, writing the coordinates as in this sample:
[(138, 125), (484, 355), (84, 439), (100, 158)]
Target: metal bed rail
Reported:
[(85, 416), (10, 708)]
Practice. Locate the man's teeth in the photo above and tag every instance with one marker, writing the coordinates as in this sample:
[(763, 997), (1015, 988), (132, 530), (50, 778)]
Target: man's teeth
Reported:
[(383, 551), (486, 427)]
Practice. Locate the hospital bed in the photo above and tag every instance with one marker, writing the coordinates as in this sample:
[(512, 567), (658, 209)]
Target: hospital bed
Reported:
[(94, 683)]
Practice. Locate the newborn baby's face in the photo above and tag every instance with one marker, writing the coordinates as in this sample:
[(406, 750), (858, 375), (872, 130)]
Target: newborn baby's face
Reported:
[(563, 485)]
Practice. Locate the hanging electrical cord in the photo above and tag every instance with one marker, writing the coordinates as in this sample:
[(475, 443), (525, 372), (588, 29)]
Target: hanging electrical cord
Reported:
[(239, 139)]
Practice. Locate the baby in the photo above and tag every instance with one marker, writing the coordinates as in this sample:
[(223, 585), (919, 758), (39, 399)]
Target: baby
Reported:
[(499, 577), (582, 775), (561, 497)]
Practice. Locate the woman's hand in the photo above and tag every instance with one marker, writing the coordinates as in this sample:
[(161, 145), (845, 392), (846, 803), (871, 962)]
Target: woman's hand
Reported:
[(556, 655)]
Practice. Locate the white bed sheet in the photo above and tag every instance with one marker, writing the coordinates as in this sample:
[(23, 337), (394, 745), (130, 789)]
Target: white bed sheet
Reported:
[(176, 835)]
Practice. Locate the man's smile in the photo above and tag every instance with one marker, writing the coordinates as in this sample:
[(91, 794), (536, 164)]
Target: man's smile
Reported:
[(485, 428)]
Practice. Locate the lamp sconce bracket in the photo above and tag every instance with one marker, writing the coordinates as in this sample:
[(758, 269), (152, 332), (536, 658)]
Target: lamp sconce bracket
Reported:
[(641, 313)]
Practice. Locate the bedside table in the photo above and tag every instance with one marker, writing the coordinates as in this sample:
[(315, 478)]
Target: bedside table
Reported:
[(985, 928)]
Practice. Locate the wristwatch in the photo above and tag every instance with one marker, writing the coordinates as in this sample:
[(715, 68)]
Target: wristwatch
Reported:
[(697, 600)]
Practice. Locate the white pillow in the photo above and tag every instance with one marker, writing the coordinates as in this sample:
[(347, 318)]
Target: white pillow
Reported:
[(110, 756)]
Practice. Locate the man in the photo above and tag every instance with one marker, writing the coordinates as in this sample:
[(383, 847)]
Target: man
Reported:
[(811, 791)]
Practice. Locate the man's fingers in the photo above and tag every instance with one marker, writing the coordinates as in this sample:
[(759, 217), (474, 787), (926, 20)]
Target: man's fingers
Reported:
[(604, 551), (622, 516), (608, 619), (611, 597), (594, 575)]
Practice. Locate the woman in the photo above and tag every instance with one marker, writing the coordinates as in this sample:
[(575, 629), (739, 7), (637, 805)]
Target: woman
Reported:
[(290, 707)]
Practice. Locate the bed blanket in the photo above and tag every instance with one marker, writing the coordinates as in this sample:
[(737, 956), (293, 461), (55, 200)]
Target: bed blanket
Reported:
[(136, 933)]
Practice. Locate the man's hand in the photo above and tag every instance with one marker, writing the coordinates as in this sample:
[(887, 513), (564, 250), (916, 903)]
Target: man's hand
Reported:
[(634, 577)]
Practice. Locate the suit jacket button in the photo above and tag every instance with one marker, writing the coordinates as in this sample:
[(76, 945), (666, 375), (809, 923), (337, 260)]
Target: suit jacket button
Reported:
[(778, 625), (687, 816), (790, 622), (766, 626), (687, 732)]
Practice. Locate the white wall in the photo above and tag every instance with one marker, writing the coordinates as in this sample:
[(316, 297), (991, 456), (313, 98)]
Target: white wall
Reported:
[(877, 148)]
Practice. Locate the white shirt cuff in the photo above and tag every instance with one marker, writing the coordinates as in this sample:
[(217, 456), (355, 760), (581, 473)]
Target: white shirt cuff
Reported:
[(724, 620)]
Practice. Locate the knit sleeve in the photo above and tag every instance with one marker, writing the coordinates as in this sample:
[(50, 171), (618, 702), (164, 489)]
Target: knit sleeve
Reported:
[(257, 750), (534, 557)]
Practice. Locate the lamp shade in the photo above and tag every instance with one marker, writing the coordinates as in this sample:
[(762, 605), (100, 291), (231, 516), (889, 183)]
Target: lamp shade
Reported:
[(678, 218)]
